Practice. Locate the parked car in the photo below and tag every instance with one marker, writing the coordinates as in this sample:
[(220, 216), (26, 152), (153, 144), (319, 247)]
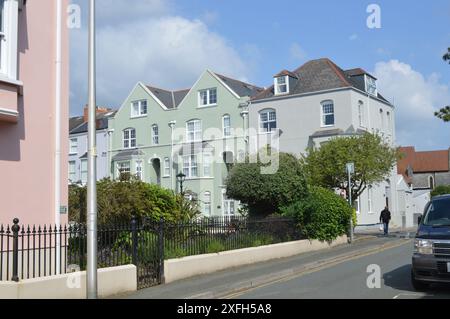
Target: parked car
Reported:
[(431, 258)]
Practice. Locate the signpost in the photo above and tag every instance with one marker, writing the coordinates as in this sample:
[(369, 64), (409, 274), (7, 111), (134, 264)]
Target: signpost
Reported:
[(350, 170)]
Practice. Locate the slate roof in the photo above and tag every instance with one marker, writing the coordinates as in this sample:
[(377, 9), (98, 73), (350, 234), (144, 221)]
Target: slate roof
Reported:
[(240, 88), (75, 121), (101, 123), (319, 75)]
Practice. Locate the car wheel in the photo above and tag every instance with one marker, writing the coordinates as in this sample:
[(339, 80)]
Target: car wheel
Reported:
[(417, 284)]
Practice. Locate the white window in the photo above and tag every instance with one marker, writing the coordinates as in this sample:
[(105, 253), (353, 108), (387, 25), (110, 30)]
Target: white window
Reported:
[(166, 166), (207, 165), (281, 85), (138, 108), (155, 134), (139, 170), (84, 171), (327, 113), (226, 122), (9, 11), (371, 85), (228, 206), (207, 204), (194, 131), (73, 146), (123, 168), (129, 138), (207, 97), (190, 166), (72, 171), (267, 121), (361, 114)]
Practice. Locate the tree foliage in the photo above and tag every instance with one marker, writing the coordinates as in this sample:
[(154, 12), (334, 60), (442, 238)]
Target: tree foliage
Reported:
[(444, 113), (373, 159), (323, 215), (264, 194), (441, 190), (118, 201)]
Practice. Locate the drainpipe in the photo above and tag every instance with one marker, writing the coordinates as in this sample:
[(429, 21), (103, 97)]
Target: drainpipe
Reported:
[(58, 105)]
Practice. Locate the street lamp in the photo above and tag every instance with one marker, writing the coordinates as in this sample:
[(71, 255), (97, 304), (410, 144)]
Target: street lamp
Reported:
[(181, 178), (350, 170)]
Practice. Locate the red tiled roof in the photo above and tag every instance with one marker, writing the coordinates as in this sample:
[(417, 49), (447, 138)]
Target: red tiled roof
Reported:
[(423, 162)]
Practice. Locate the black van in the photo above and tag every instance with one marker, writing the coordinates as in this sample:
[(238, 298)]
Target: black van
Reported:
[(431, 259)]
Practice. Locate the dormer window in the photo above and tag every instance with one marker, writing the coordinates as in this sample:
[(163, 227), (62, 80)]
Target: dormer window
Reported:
[(281, 85), (371, 85)]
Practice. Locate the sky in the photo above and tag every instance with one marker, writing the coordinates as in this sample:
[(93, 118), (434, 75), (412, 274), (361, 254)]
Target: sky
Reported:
[(169, 43)]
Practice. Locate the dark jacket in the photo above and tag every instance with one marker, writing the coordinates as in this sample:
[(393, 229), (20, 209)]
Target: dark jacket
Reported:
[(385, 216)]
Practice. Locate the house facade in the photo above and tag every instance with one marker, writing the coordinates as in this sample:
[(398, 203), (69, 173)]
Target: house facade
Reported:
[(318, 101), (34, 91), (156, 134), (78, 146)]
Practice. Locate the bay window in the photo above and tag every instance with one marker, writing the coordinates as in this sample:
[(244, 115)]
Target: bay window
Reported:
[(207, 204), (9, 14)]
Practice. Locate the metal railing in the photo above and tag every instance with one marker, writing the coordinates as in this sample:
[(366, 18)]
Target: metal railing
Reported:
[(37, 251)]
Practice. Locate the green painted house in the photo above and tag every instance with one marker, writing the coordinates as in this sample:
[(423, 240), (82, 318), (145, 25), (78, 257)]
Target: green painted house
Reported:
[(200, 131)]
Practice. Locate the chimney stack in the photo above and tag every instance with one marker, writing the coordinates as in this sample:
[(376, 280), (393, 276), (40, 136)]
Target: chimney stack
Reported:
[(98, 110)]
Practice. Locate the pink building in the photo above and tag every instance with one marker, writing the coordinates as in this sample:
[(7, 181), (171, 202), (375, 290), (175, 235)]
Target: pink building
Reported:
[(34, 92)]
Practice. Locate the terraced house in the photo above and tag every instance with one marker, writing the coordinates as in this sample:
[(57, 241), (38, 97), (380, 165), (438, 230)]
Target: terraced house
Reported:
[(158, 133)]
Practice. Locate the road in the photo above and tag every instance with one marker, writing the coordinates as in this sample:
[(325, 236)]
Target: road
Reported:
[(348, 279)]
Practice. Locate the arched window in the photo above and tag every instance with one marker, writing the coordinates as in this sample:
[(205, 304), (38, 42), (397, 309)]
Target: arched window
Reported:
[(267, 120), (129, 138), (327, 110), (431, 182), (155, 134), (194, 131), (226, 124)]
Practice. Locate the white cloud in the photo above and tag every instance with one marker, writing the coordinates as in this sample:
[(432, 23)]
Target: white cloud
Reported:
[(167, 51), (297, 52), (416, 98)]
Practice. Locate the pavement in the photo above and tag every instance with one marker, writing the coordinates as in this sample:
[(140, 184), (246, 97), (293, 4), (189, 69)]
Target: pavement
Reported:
[(239, 281)]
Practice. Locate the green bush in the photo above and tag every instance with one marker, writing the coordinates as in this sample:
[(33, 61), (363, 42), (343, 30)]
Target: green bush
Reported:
[(264, 194), (323, 215), (215, 246), (441, 190)]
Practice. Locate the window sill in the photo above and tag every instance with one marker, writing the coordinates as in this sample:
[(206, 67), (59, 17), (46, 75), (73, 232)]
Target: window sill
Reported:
[(206, 106), (327, 126), (8, 115), (7, 80), (138, 116)]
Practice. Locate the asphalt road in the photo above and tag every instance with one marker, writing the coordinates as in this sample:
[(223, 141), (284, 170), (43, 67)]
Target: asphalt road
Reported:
[(348, 279)]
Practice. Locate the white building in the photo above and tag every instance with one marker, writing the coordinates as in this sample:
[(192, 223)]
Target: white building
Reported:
[(319, 101)]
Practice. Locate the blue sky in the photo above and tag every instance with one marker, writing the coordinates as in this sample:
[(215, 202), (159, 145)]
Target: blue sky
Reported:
[(169, 43)]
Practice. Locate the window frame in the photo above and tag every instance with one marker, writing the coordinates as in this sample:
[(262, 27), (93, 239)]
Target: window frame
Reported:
[(9, 40), (226, 129), (166, 167), (207, 164), (323, 115), (371, 85), (129, 139), (195, 131), (155, 137), (268, 121), (207, 204), (361, 114), (119, 165), (139, 169), (74, 172), (73, 143), (139, 108), (277, 85), (208, 97), (84, 172), (190, 167)]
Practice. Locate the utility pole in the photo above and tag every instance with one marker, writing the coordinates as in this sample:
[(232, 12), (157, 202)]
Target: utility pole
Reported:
[(350, 171), (91, 272)]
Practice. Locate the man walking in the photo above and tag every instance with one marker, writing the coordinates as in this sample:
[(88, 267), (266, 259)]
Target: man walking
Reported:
[(385, 218)]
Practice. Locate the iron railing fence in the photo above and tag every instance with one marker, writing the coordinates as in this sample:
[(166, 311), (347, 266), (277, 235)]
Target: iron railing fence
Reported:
[(37, 251)]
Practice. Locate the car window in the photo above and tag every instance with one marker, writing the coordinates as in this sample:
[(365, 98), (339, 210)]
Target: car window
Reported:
[(438, 213)]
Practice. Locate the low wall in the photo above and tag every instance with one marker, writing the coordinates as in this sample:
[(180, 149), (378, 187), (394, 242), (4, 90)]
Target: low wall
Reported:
[(181, 268), (111, 281)]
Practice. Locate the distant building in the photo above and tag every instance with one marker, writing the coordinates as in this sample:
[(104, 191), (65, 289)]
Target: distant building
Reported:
[(78, 146), (425, 170)]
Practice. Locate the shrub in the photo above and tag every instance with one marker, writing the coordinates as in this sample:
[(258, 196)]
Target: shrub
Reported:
[(215, 246), (441, 190), (323, 215), (264, 194)]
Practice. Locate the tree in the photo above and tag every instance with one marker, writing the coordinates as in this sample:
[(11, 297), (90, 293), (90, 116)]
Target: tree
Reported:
[(444, 113), (441, 190), (264, 194), (373, 159)]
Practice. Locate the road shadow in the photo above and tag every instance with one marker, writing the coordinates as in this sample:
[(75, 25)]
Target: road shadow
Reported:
[(400, 279)]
